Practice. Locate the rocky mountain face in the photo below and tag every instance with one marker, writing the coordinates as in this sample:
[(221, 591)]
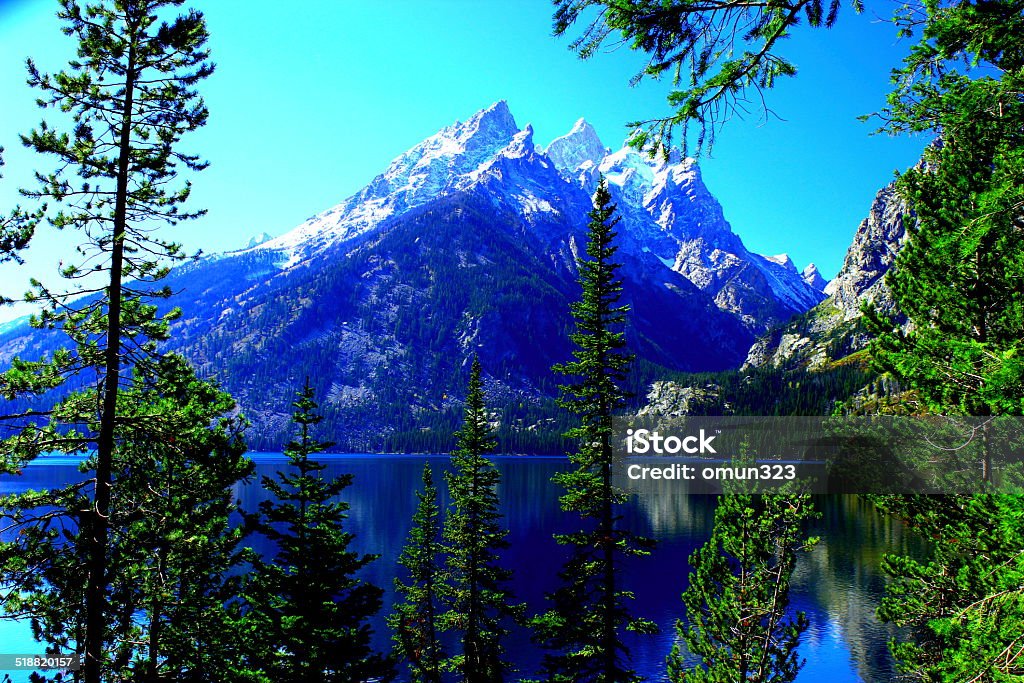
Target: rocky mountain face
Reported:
[(466, 244), (669, 213), (873, 252), (832, 329), (814, 278), (804, 365)]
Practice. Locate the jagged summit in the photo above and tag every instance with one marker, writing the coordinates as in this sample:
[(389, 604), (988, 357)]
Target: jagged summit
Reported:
[(495, 117), (783, 260), (257, 240), (417, 176), (521, 144), (481, 136), (577, 150), (812, 276), (670, 218)]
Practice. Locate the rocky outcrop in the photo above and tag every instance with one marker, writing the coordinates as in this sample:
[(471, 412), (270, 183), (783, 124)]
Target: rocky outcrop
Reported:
[(873, 252), (833, 328), (672, 399)]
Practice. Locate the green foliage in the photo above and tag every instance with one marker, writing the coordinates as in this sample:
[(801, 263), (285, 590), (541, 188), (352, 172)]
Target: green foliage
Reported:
[(305, 610), (777, 391), (127, 99), (964, 606), (958, 282), (736, 628), (589, 613), (480, 604), (958, 278), (713, 52), (415, 618), (172, 524), (171, 557), (16, 229)]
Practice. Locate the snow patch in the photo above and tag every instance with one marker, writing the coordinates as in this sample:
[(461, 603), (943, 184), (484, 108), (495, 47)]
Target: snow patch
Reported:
[(532, 204)]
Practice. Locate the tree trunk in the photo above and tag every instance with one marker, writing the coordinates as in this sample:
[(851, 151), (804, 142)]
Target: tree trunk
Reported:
[(96, 587), (608, 625)]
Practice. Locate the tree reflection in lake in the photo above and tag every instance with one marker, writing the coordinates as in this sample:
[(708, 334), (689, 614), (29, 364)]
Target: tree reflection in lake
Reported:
[(838, 584)]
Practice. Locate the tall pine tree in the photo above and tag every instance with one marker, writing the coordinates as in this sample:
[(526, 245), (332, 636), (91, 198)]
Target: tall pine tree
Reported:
[(589, 614), (481, 608), (127, 99), (176, 558), (416, 618), (305, 607)]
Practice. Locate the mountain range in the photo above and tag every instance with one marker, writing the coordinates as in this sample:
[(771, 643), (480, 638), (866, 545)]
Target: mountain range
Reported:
[(467, 244)]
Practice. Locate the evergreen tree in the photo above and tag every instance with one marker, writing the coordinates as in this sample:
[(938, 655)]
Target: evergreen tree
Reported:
[(958, 282), (16, 229), (964, 605), (177, 557), (958, 277), (583, 629), (127, 98), (736, 625), (171, 553), (306, 607), (480, 604), (415, 620)]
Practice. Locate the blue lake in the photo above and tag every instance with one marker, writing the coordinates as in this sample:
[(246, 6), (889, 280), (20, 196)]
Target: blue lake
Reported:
[(838, 584)]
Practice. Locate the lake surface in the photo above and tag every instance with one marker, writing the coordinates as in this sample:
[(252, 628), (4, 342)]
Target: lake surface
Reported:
[(838, 584)]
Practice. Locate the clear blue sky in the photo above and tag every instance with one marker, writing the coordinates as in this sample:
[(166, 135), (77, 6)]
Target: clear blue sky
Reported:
[(312, 99)]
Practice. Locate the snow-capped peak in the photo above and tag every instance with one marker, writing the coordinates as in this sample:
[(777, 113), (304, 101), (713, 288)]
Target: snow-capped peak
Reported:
[(453, 151), (481, 131), (812, 276), (257, 240), (417, 176), (783, 260), (579, 147), (628, 170), (667, 211), (521, 145)]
